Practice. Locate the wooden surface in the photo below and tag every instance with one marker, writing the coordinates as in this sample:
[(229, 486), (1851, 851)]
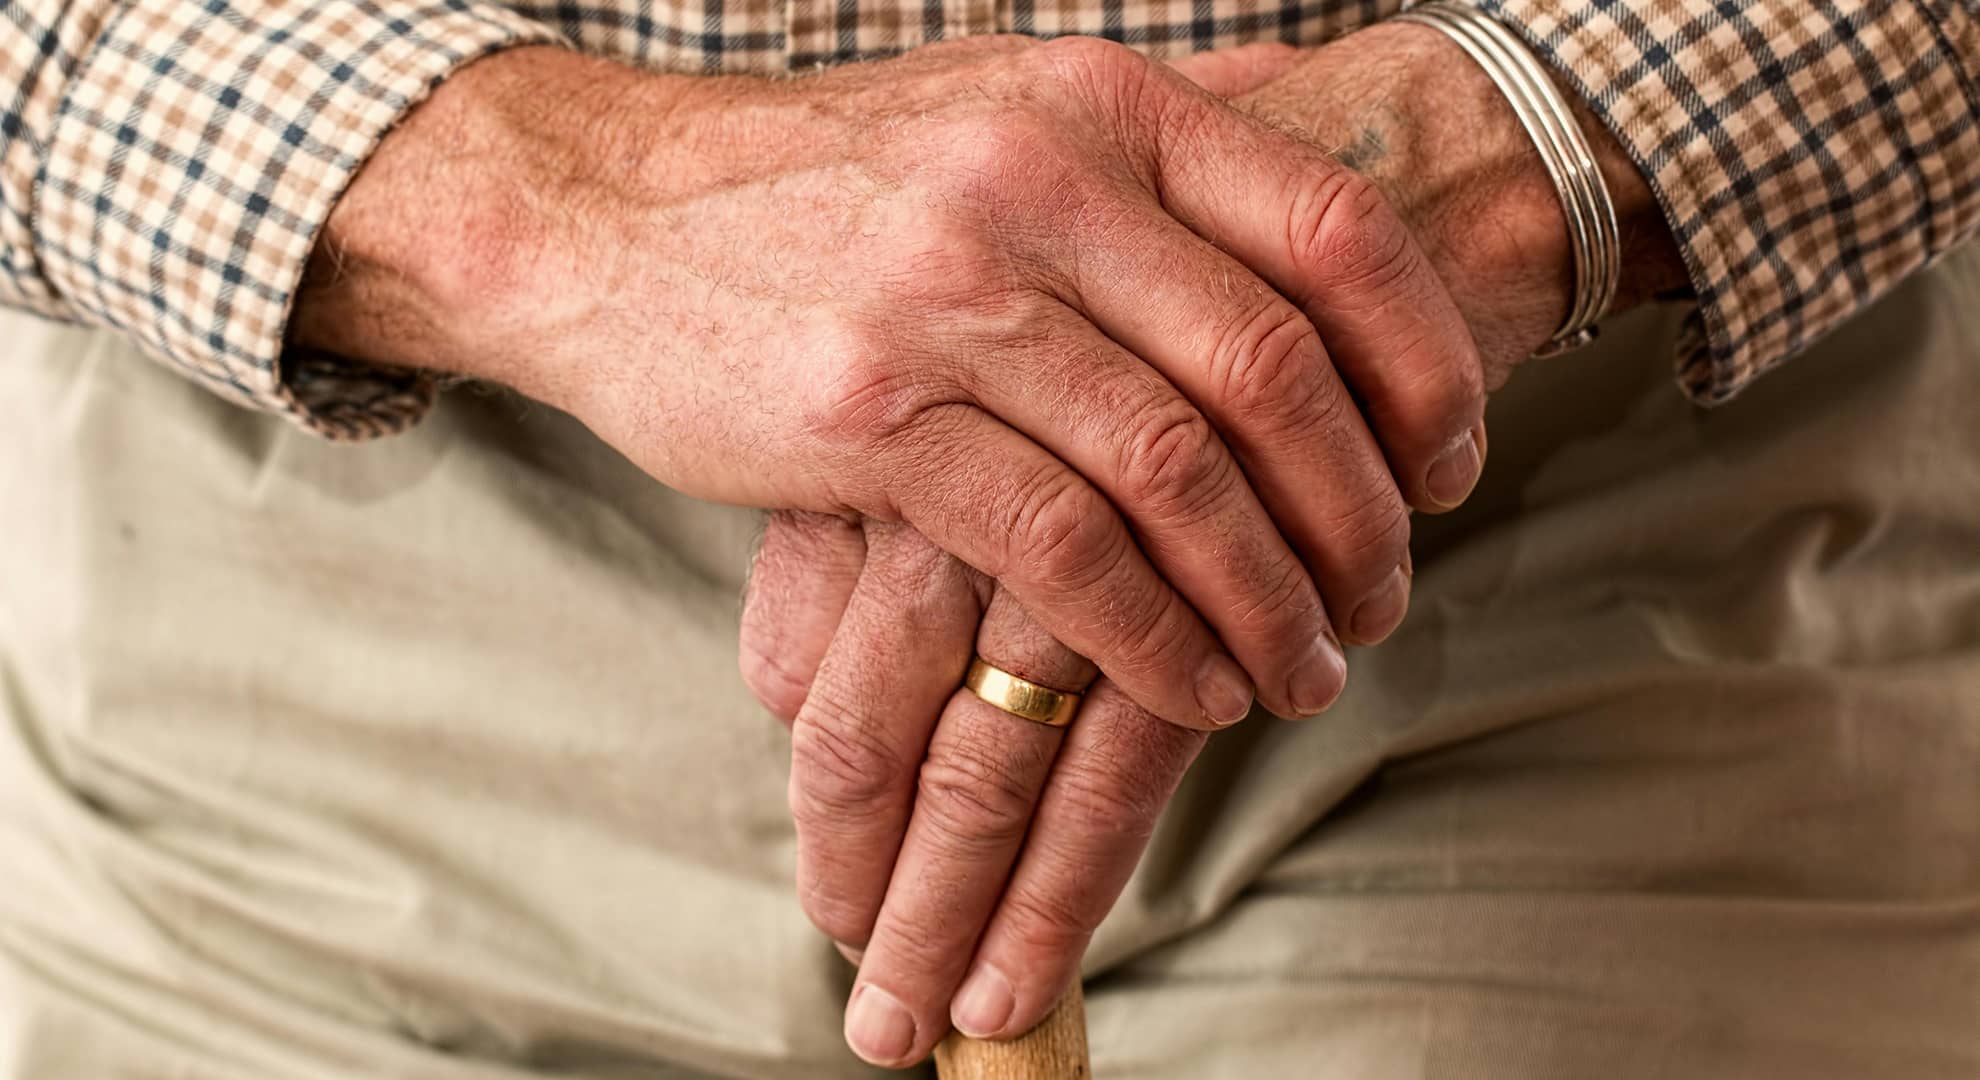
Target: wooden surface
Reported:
[(1054, 1050)]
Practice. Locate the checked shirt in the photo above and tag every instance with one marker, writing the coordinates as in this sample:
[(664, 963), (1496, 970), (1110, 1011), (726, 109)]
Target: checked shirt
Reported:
[(165, 164)]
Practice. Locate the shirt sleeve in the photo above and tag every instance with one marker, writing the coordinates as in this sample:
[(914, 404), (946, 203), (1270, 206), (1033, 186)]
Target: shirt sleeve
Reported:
[(1808, 154), (165, 166)]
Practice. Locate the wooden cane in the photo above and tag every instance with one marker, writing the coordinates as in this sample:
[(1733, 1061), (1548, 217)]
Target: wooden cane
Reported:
[(1054, 1050)]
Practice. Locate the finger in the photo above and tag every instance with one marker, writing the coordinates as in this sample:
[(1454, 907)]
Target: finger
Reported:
[(1113, 776), (983, 772), (1129, 431), (1254, 363), (799, 583), (1007, 507), (1325, 236), (859, 739), (1237, 70)]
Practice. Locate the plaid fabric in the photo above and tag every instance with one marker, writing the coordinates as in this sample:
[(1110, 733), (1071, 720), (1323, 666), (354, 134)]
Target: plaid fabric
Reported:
[(165, 164), (1808, 154)]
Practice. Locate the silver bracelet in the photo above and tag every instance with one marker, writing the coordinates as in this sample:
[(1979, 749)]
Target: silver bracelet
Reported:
[(1593, 236)]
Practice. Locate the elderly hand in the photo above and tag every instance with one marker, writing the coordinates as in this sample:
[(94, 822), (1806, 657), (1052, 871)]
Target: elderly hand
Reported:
[(969, 852), (1054, 306), (921, 810)]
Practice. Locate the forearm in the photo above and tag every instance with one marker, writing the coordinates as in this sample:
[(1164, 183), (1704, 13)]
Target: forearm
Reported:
[(440, 255)]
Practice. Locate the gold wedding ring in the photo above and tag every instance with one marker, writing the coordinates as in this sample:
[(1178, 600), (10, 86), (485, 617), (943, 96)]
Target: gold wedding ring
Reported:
[(1020, 697)]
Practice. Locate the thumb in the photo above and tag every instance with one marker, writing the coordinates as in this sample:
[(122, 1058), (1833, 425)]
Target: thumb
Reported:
[(1237, 70)]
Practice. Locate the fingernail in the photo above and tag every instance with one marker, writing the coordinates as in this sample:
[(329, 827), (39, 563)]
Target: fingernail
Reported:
[(1378, 615), (1455, 472), (1222, 691), (851, 954), (1319, 678), (984, 1004), (878, 1028)]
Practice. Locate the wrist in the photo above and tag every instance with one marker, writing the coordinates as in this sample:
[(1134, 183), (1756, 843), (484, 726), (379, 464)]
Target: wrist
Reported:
[(1407, 106), (456, 241)]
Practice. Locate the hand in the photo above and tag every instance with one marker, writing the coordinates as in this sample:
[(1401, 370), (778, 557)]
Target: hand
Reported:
[(979, 851), (916, 869), (974, 290)]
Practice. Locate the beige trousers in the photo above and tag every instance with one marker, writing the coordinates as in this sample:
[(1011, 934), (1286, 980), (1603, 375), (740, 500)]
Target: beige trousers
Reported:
[(429, 759)]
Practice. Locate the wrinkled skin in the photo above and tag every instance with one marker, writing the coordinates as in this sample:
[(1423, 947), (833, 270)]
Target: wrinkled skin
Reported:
[(1074, 319), (950, 840), (1040, 336)]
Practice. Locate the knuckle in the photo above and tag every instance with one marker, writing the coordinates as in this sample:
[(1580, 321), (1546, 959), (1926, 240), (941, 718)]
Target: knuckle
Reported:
[(836, 914), (1166, 634), (874, 393), (1447, 384), (1086, 58), (1267, 359), (987, 155), (1344, 229), (984, 140), (838, 771), (1066, 535), (1284, 602), (918, 579), (1374, 530), (1151, 641), (922, 944), (974, 797), (1121, 87), (953, 259), (1112, 809), (1457, 376), (1173, 465), (1053, 919), (1435, 389), (776, 687), (1323, 406)]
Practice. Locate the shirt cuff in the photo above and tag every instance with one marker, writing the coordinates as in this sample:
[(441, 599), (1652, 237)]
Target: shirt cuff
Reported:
[(200, 146), (1807, 156)]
